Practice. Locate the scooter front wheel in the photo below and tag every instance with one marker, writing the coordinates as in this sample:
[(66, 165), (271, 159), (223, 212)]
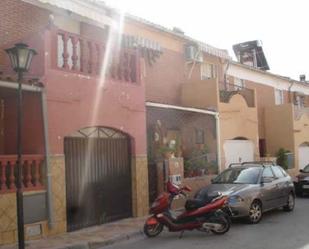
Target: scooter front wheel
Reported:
[(225, 225), (153, 230)]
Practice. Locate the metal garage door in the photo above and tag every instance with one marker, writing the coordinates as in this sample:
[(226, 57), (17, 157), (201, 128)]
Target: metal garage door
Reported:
[(236, 151), (98, 178), (303, 155)]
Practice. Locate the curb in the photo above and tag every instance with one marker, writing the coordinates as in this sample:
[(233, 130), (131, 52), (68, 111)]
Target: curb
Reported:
[(108, 242)]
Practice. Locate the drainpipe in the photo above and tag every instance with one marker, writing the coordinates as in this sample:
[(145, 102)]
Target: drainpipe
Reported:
[(49, 199), (218, 141), (289, 90), (194, 62)]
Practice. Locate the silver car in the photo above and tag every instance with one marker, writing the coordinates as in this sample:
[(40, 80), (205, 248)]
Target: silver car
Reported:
[(253, 188)]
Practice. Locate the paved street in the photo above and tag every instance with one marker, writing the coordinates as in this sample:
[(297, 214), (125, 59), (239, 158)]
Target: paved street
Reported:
[(277, 230)]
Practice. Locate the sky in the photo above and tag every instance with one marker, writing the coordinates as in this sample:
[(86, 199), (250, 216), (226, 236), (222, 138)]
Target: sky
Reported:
[(282, 26)]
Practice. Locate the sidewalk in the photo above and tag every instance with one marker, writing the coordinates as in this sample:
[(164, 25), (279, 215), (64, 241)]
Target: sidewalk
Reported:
[(90, 238)]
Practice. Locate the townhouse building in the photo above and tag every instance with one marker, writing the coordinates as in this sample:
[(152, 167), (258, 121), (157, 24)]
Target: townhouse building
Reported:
[(189, 101), (84, 146), (109, 98), (282, 112)]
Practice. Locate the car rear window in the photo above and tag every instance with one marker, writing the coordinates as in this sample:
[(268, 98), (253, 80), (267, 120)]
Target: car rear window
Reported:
[(278, 171)]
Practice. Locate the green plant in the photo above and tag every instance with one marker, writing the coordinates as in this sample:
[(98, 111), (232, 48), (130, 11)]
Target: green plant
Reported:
[(187, 166), (165, 150), (212, 167), (199, 157), (282, 158)]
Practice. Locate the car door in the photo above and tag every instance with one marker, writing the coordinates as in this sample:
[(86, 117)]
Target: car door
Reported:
[(281, 182), (269, 193)]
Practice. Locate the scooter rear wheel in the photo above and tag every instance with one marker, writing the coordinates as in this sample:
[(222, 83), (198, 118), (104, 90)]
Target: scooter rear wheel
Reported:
[(225, 225), (153, 230)]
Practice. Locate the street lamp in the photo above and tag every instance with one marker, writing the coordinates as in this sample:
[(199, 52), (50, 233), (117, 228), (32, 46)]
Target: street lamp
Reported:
[(20, 57)]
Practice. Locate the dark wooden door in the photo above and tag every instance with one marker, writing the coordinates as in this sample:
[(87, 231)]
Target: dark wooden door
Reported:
[(98, 180)]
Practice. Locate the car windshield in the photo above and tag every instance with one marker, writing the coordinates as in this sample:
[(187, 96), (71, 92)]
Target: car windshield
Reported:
[(239, 176)]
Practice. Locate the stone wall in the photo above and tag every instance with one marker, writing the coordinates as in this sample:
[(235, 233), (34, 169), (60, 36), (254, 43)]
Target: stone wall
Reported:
[(57, 165), (140, 197), (8, 227), (8, 219)]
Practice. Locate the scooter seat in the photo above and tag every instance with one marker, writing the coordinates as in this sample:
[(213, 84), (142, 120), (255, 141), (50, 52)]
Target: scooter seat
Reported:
[(196, 203), (192, 204)]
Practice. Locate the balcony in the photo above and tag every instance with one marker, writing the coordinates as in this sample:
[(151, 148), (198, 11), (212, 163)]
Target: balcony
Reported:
[(210, 94), (227, 91), (32, 173), (76, 54), (81, 55)]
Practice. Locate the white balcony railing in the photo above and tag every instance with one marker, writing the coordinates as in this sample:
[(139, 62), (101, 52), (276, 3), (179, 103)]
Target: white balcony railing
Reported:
[(299, 111)]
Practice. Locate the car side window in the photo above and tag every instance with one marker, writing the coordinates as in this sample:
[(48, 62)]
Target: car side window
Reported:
[(267, 173), (278, 172)]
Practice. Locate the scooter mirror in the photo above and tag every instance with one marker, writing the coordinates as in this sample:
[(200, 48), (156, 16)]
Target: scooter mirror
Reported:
[(172, 188)]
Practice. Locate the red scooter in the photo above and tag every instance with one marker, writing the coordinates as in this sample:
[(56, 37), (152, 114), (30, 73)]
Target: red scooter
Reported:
[(204, 215)]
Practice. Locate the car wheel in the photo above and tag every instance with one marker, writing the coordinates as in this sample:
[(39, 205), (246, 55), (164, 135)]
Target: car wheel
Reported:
[(290, 203), (255, 212)]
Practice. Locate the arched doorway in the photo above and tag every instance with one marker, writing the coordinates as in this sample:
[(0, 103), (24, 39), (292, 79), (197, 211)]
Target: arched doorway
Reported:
[(303, 155), (238, 150), (98, 177)]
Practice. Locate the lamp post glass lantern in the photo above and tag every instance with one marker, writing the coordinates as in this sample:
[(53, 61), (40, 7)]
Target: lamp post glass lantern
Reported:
[(20, 56)]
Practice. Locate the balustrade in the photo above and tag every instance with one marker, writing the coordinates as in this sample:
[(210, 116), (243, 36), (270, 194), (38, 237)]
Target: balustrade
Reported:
[(32, 177), (79, 54)]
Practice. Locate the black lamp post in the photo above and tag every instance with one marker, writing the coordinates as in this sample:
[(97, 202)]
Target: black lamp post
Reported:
[(21, 57)]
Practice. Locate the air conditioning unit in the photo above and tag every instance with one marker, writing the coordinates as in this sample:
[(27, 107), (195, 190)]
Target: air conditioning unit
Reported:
[(193, 54)]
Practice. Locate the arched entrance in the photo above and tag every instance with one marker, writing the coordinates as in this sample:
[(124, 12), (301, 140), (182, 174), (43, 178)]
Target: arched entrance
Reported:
[(238, 150), (98, 177), (303, 155)]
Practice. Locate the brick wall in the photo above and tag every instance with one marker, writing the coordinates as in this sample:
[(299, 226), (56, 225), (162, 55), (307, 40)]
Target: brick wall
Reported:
[(265, 97), (19, 20), (164, 79)]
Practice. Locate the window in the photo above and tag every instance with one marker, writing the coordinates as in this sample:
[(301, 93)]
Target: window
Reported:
[(208, 71), (239, 83), (279, 98), (239, 175), (299, 101), (278, 172), (267, 173)]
